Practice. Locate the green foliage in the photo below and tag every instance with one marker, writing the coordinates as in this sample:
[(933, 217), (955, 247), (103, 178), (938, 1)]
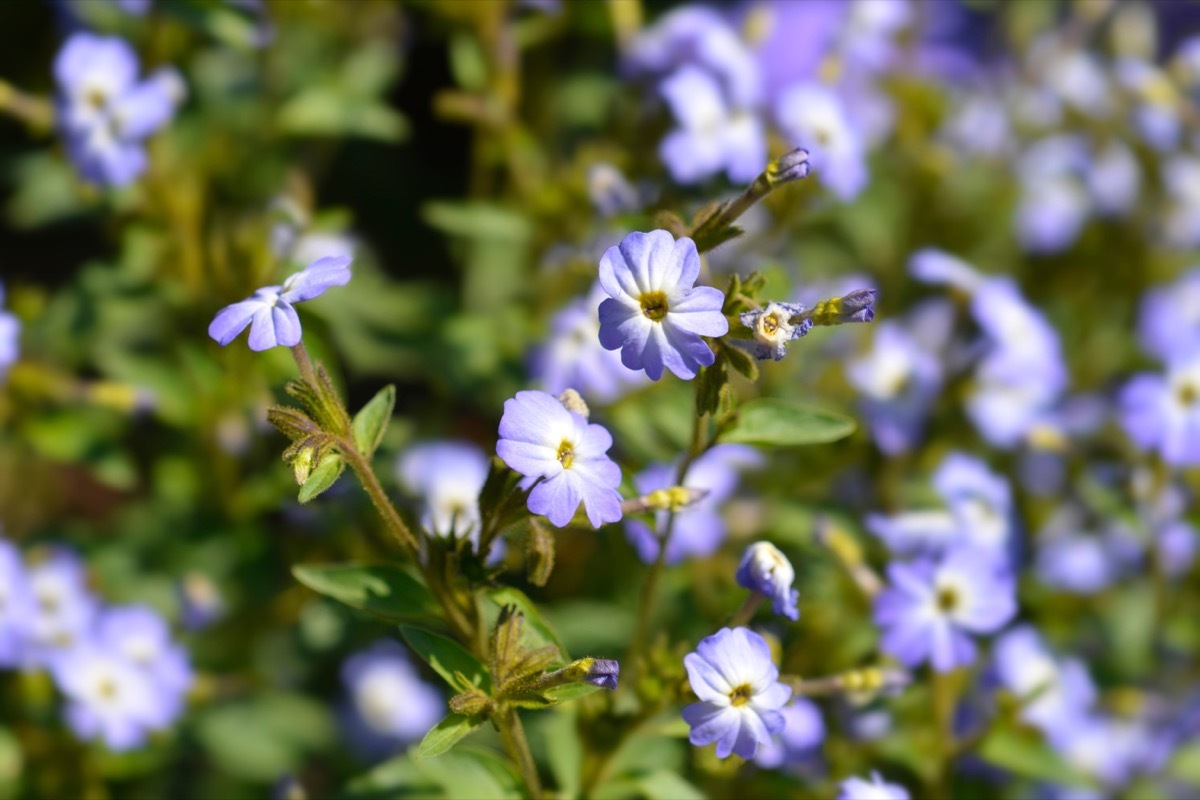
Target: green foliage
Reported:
[(371, 422), (781, 423), (457, 667), (390, 593), (327, 471), (446, 734)]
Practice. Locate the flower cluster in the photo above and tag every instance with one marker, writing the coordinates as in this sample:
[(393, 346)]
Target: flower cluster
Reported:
[(121, 674)]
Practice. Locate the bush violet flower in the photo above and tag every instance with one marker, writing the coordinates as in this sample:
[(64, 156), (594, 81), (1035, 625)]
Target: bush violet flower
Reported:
[(654, 313), (449, 477), (10, 331), (390, 704), (1163, 412), (16, 604), (740, 694), (803, 732), (104, 113), (562, 456), (109, 698), (930, 606), (874, 789), (269, 311), (143, 639), (1056, 693), (63, 608), (767, 571)]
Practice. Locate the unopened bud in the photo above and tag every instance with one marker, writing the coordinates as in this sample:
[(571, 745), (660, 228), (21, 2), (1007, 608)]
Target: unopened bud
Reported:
[(470, 703), (791, 166), (302, 465), (572, 401), (858, 306)]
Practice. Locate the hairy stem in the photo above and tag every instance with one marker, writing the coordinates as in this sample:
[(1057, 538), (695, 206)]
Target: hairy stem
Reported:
[(512, 733)]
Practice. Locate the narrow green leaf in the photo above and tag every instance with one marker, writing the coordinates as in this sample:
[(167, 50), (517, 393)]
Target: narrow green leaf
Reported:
[(475, 772), (741, 361), (372, 420), (709, 384), (782, 423), (324, 476), (666, 785), (384, 591), (447, 657), (1029, 757), (538, 631), (446, 734)]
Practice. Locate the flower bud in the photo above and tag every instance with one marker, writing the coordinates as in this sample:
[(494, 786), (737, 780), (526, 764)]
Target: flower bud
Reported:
[(764, 569)]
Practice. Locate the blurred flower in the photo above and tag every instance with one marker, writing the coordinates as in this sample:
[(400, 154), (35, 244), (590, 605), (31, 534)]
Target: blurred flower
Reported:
[(812, 116), (390, 705), (711, 137), (930, 607), (1055, 694), (1082, 562), (773, 329), (269, 311), (201, 601), (143, 639), (573, 357), (563, 458), (136, 7), (1054, 202), (655, 315), (16, 605), (10, 333), (63, 607), (768, 572), (610, 192), (104, 113), (448, 477), (874, 789), (802, 734), (698, 529), (109, 698), (1162, 412), (740, 695), (1105, 747), (1169, 318)]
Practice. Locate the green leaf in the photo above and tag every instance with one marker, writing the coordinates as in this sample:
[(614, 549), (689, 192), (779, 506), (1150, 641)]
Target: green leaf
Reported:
[(262, 737), (395, 778), (324, 476), (571, 691), (446, 734), (741, 361), (782, 423), (447, 657), (474, 772), (387, 592), (710, 383), (666, 785), (372, 420), (1029, 756), (538, 631)]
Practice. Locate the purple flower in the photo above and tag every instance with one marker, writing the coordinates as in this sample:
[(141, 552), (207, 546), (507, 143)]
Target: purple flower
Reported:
[(448, 476), (1054, 203), (563, 457), (773, 329), (104, 113), (10, 333), (389, 703), (711, 137), (604, 672), (813, 117), (1056, 694), (1163, 412), (1169, 318), (63, 607), (143, 639), (1081, 562), (874, 789), (108, 698), (803, 732), (573, 358), (930, 607), (740, 694), (899, 379), (655, 315), (16, 605), (1180, 175), (201, 601), (768, 572), (698, 529), (269, 311)]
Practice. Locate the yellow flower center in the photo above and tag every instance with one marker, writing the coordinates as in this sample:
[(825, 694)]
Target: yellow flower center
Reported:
[(1187, 394), (566, 454), (740, 695), (947, 599), (654, 305)]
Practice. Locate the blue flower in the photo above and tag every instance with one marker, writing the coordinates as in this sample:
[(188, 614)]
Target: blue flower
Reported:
[(655, 315), (390, 705), (698, 529), (10, 333), (269, 311), (63, 608), (711, 137), (874, 789), (740, 694), (448, 476), (143, 639), (1162, 412), (562, 456), (1072, 559), (573, 357), (1169, 318), (930, 607), (803, 732), (104, 113), (201, 601), (773, 329), (1055, 693), (767, 571), (108, 698), (16, 605), (814, 117)]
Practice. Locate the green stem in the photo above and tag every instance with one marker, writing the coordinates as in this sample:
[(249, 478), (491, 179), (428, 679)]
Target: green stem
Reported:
[(945, 698), (307, 373), (746, 612), (379, 498), (512, 733), (33, 111)]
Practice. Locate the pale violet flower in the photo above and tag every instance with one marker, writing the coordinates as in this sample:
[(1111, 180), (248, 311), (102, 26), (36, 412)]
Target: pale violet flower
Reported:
[(10, 333), (931, 607), (773, 328), (768, 572), (143, 639), (800, 740), (711, 137), (63, 608), (1055, 693), (269, 313), (654, 313), (390, 705), (16, 605), (104, 113), (814, 117), (448, 477), (1162, 412), (739, 690), (1180, 175), (109, 699), (1168, 318), (562, 457), (874, 789)]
